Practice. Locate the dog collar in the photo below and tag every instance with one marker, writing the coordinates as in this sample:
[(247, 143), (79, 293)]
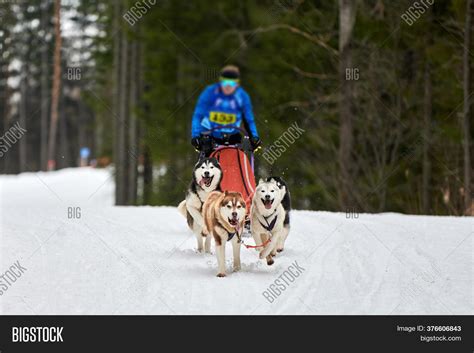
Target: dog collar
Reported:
[(229, 233)]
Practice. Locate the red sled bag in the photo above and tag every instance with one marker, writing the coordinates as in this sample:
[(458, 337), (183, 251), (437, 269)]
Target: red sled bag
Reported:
[(237, 172)]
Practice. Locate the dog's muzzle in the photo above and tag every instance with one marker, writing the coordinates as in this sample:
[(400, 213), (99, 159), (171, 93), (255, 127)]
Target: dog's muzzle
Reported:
[(206, 180), (233, 221), (267, 203)]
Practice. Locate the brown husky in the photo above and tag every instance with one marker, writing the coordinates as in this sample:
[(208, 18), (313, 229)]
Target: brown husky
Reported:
[(224, 216)]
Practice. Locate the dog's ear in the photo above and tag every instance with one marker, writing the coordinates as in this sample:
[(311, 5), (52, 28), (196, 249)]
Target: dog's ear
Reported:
[(226, 193), (261, 181), (201, 159), (215, 161)]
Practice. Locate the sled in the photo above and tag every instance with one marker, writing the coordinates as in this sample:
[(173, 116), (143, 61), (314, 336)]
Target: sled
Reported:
[(237, 168), (237, 171)]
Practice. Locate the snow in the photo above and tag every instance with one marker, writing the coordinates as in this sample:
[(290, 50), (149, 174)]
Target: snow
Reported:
[(142, 260)]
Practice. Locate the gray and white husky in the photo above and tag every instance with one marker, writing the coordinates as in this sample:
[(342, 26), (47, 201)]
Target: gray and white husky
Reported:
[(270, 217), (207, 176)]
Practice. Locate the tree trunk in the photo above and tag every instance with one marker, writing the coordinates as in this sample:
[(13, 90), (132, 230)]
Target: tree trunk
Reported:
[(122, 162), (22, 117), (467, 108), (133, 150), (116, 91), (44, 91), (55, 92), (347, 14), (116, 100), (147, 176), (427, 117), (427, 120), (64, 140)]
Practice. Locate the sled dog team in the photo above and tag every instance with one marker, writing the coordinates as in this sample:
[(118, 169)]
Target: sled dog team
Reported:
[(222, 215)]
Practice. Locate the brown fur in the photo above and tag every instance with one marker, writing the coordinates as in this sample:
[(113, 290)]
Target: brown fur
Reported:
[(217, 210), (212, 216)]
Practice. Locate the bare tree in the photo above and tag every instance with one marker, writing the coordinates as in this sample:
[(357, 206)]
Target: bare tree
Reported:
[(132, 131), (467, 106), (427, 122), (44, 89), (427, 116), (121, 161), (22, 112), (347, 15), (115, 93), (55, 92)]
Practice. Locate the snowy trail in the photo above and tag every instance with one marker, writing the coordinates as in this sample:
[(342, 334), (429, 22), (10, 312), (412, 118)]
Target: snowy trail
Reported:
[(142, 260)]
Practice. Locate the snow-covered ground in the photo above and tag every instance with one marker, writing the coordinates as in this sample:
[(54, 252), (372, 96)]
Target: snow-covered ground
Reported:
[(142, 260)]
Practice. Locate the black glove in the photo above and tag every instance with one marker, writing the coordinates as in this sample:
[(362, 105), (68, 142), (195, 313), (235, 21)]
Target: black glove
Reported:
[(255, 142), (196, 142)]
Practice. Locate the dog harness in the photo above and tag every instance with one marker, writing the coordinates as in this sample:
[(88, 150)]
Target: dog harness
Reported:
[(229, 234), (269, 227)]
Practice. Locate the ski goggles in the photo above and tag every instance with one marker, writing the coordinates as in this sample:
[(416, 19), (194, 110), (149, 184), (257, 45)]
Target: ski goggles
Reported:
[(229, 83)]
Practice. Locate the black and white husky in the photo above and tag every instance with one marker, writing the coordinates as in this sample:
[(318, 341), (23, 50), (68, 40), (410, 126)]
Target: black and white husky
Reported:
[(270, 216), (207, 176)]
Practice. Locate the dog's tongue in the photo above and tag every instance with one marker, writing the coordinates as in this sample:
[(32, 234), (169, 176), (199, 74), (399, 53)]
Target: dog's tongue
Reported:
[(268, 204)]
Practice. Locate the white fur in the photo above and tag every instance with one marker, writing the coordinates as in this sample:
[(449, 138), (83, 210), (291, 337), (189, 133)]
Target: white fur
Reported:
[(258, 213), (214, 173), (220, 252), (194, 201)]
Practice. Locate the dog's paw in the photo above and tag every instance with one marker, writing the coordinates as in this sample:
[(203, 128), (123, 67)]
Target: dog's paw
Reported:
[(280, 250), (261, 256), (236, 268), (270, 262), (221, 275)]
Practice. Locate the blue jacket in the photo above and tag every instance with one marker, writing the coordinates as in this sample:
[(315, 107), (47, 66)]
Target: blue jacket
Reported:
[(214, 108)]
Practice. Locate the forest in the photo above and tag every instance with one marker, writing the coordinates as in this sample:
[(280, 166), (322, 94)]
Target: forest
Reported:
[(380, 92)]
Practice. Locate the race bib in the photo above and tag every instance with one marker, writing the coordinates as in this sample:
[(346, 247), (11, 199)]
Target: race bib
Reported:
[(222, 118)]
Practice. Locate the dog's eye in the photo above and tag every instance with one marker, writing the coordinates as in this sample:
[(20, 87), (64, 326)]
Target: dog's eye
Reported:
[(239, 206), (229, 206), (273, 190), (212, 167), (202, 167)]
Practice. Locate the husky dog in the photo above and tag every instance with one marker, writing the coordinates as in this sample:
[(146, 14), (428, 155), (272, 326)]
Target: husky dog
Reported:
[(207, 177), (286, 203), (224, 217), (268, 217)]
